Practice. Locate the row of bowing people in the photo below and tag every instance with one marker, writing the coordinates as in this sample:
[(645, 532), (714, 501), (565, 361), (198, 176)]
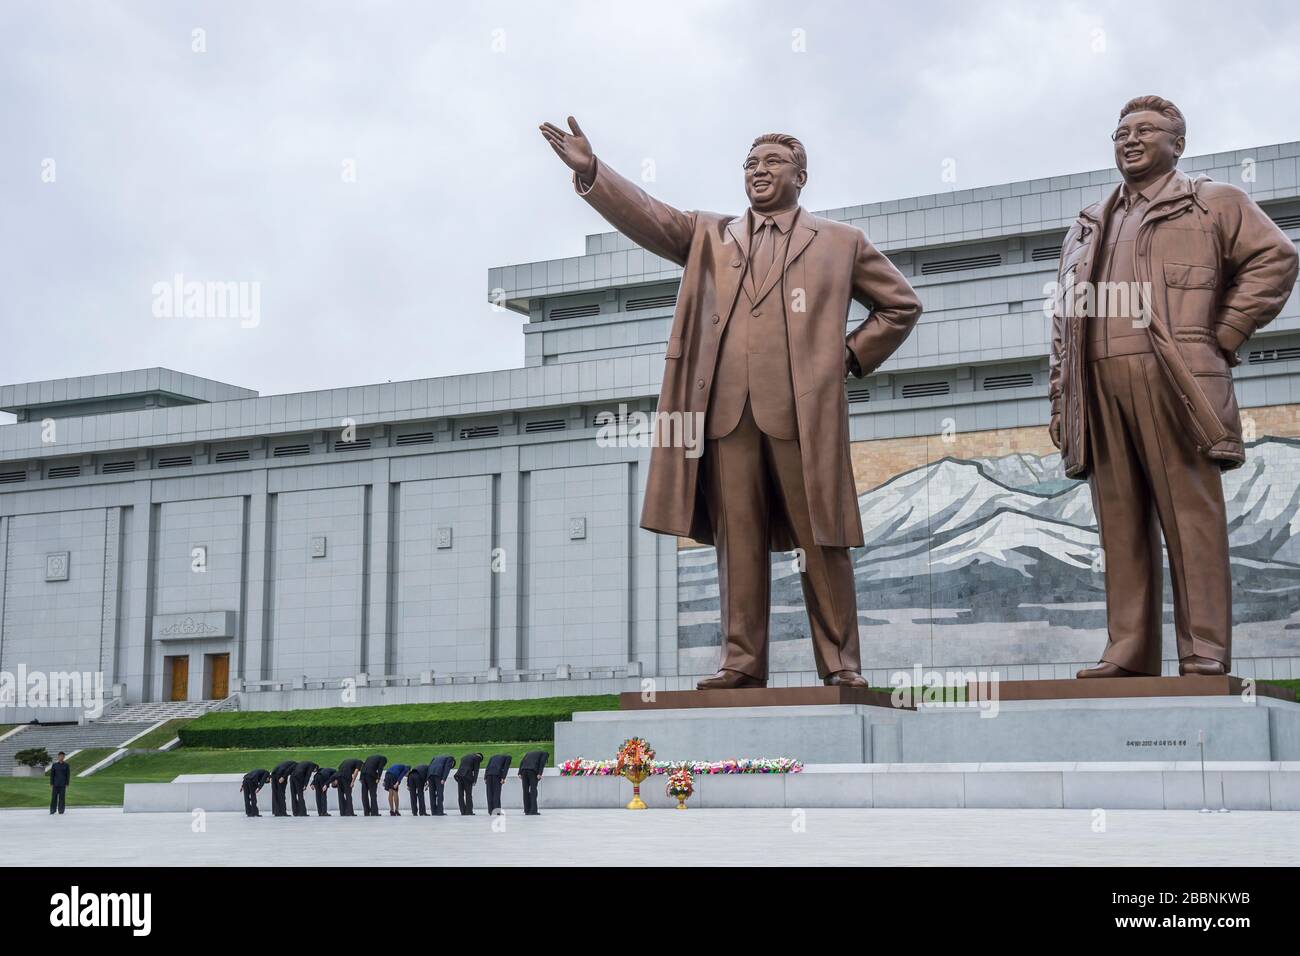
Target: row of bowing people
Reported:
[(299, 776)]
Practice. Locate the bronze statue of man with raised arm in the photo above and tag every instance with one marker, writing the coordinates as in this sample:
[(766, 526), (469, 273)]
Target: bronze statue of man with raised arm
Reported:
[(1141, 391), (758, 348)]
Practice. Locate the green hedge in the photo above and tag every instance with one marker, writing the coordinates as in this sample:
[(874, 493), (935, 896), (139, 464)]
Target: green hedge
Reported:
[(394, 724)]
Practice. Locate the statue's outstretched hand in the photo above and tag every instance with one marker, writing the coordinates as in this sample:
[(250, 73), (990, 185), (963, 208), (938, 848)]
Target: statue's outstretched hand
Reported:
[(572, 147)]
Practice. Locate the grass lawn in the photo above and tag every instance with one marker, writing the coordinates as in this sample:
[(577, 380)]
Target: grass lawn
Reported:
[(163, 735), (105, 787), (85, 792)]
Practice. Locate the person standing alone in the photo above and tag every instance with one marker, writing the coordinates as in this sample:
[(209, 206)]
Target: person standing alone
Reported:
[(60, 774)]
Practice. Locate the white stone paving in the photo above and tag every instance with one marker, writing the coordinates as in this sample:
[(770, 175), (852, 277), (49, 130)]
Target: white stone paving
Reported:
[(107, 837)]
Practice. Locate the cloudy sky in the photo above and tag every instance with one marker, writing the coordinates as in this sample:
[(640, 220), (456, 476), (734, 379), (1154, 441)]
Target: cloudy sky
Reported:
[(366, 163)]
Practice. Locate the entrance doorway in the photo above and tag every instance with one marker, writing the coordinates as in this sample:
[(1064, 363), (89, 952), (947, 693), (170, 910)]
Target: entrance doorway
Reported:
[(219, 676), (180, 677)]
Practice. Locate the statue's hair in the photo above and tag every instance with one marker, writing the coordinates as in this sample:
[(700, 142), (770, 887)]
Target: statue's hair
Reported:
[(1157, 104), (788, 141)]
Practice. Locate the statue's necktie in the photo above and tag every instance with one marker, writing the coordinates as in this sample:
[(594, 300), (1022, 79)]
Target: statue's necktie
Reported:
[(764, 249)]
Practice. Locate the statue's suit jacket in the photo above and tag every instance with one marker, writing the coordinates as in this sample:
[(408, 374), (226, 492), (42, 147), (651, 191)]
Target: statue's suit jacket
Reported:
[(827, 266)]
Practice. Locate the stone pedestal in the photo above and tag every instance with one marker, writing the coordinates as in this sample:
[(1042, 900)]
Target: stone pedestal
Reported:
[(1236, 728)]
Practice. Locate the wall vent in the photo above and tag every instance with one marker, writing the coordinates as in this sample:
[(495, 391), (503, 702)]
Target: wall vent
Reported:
[(859, 394), (10, 477), (414, 438), (63, 471), (116, 467), (223, 457), (1045, 254), (1009, 380), (938, 266), (651, 302), (924, 389), (176, 461), (290, 451), (1289, 221), (609, 417), (357, 445), (1275, 355), (575, 311), (547, 425), (480, 431)]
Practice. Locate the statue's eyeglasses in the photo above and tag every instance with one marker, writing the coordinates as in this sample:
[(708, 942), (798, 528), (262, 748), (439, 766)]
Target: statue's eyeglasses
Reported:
[(769, 162), (1143, 131)]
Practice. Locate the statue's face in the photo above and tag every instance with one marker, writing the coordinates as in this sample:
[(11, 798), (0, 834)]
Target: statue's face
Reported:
[(772, 178), (1146, 145)]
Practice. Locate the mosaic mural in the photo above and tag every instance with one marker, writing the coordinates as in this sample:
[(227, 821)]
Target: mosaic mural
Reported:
[(995, 559)]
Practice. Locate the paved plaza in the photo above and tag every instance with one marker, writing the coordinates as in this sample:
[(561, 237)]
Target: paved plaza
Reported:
[(108, 837)]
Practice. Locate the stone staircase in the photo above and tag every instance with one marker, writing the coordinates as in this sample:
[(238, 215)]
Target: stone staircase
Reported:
[(154, 711), (67, 737)]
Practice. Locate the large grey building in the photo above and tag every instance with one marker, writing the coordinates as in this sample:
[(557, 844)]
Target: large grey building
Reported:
[(470, 536)]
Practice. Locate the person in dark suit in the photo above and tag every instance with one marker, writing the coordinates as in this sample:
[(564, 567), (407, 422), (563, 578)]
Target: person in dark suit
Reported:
[(466, 777), (439, 770), (344, 778), (298, 781), (370, 773), (254, 781), (60, 774), (494, 777), (393, 787), (279, 779), (530, 772), (321, 784), (415, 783)]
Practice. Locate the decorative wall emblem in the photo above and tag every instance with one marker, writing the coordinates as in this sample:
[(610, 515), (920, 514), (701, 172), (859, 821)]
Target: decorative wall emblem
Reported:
[(188, 627), (577, 529), (194, 625), (443, 537), (317, 548), (56, 565)]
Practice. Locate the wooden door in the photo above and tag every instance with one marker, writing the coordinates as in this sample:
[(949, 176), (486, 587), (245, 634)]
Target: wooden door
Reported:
[(220, 676), (180, 678)]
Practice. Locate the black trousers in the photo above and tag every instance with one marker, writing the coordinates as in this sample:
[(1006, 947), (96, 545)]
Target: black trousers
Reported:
[(493, 785), (345, 801), (465, 797), (57, 796), (278, 807), (417, 801), (529, 778), (297, 798), (322, 801), (435, 793), (369, 797), (250, 803)]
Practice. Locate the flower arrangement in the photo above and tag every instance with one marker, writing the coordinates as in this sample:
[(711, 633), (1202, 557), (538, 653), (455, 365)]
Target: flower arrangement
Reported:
[(680, 785), (635, 755), (634, 761), (580, 767)]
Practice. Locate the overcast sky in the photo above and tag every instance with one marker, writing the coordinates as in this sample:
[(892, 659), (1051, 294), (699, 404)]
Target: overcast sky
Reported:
[(230, 164)]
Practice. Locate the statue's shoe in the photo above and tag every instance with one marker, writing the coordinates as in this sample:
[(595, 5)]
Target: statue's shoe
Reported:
[(1107, 669), (725, 679), (1201, 665), (846, 679)]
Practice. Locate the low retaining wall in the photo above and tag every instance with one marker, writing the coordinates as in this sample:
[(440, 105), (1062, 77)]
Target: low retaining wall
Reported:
[(1128, 785)]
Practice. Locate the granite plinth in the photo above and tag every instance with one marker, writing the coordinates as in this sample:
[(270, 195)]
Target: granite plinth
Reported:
[(1235, 728), (1126, 687), (757, 697)]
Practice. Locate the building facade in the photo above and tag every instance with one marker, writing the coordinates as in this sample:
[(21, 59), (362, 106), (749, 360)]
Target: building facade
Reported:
[(477, 535)]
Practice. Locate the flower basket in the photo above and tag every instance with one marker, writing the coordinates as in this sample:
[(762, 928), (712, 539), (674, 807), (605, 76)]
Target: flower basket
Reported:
[(680, 785), (635, 761)]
